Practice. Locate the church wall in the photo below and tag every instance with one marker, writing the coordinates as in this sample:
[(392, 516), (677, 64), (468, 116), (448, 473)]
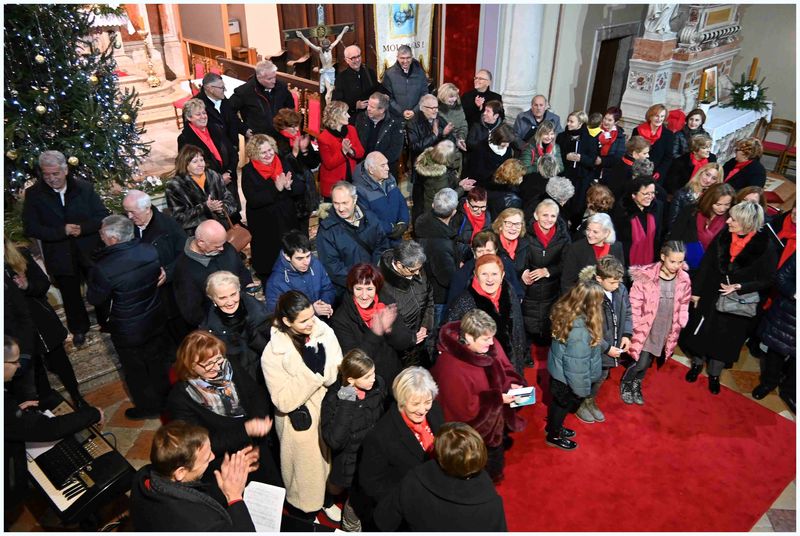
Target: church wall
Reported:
[(264, 32)]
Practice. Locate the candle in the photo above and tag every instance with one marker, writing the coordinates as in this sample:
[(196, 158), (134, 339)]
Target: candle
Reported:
[(701, 94), (753, 69)]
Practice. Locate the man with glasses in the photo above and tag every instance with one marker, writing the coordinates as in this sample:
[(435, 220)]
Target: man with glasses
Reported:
[(405, 82), (355, 83), (474, 100), (220, 112)]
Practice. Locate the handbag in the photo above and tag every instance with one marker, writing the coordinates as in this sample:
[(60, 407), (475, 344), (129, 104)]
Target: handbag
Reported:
[(737, 304), (237, 235), (300, 419)]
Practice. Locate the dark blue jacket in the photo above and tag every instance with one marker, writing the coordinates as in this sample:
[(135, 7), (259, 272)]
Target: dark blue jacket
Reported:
[(385, 200), (127, 275), (314, 283), (778, 328)]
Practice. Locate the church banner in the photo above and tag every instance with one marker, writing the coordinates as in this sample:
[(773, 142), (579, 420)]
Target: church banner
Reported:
[(403, 24)]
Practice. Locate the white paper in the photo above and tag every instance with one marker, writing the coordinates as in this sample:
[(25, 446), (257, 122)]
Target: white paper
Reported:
[(265, 504), (520, 391), (37, 448)]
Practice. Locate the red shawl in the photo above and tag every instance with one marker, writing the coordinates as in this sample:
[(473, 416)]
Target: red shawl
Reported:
[(642, 241), (477, 222), (736, 169), (607, 139), (291, 137), (421, 431), (368, 313), (644, 131), (476, 286), (509, 245), (601, 250), (697, 163), (738, 243), (543, 237), (708, 229), (205, 137), (268, 171), (787, 233)]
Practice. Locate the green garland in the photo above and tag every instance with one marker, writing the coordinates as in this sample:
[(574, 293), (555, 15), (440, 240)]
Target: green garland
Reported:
[(748, 95)]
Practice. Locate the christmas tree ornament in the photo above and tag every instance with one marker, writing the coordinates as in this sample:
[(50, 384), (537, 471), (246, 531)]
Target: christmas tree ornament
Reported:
[(125, 118), (73, 161), (12, 154), (94, 80), (38, 58), (100, 124), (40, 109)]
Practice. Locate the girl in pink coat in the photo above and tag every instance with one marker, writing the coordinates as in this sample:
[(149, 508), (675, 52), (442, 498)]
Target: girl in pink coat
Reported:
[(660, 308)]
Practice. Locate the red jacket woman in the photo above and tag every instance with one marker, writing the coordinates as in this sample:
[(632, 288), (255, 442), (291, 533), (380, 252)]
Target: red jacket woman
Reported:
[(339, 147)]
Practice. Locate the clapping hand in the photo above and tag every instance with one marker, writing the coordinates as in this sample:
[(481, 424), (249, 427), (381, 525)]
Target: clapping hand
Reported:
[(448, 129), (408, 114), (467, 184), (226, 178), (479, 101), (347, 147), (322, 309), (258, 427), (232, 474), (214, 205), (383, 320)]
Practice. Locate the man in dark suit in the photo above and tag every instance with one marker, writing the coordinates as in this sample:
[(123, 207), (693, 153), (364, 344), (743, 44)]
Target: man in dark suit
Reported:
[(259, 99), (380, 131), (65, 214), (355, 83), (474, 100), (219, 110)]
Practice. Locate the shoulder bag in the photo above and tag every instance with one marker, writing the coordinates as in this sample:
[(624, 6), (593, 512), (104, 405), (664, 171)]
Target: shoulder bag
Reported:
[(237, 235)]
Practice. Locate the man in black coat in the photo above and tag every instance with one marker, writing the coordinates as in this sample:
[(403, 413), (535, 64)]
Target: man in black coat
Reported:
[(259, 99), (474, 100), (380, 131), (127, 274), (168, 495), (154, 227), (65, 214), (205, 253), (355, 83), (219, 110)]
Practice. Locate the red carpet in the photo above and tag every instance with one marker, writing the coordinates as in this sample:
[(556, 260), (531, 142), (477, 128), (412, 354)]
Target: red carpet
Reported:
[(685, 461)]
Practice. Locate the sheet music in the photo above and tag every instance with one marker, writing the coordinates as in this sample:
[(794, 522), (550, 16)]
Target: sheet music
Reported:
[(37, 448), (265, 504)]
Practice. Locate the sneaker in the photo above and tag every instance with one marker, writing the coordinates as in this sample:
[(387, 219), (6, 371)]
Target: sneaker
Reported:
[(626, 392), (583, 414), (333, 512), (561, 443), (594, 410), (637, 392)]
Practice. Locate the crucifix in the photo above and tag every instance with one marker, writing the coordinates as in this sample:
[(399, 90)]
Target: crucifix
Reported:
[(327, 74)]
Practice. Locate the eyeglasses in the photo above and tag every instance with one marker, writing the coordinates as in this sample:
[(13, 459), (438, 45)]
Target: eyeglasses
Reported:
[(412, 271), (212, 363), (353, 57), (646, 194), (216, 87), (513, 224), (481, 78), (477, 208), (430, 107)]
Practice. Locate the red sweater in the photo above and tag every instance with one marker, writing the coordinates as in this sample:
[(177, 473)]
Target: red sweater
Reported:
[(333, 168)]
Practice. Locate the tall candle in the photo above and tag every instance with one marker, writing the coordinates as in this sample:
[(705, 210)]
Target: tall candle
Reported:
[(753, 69), (701, 95)]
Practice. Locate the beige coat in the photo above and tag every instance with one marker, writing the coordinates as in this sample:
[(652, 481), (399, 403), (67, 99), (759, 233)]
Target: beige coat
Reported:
[(305, 459)]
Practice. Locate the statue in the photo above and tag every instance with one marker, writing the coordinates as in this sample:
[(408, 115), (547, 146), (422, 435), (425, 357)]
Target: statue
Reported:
[(327, 74), (657, 23)]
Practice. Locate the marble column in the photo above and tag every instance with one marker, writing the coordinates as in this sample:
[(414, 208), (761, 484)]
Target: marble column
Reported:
[(173, 51)]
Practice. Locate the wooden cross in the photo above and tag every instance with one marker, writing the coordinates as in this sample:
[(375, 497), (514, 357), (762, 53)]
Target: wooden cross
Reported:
[(320, 31)]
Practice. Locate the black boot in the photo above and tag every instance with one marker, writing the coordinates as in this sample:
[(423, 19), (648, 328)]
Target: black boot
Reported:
[(561, 442), (761, 391), (693, 373), (713, 384)]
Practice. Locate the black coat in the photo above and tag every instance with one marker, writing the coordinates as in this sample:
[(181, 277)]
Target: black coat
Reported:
[(270, 213), (388, 453), (463, 279), (352, 86), (617, 323), (438, 240), (471, 112), (421, 136), (660, 152), (385, 350), (722, 335), (225, 119), (482, 161), (126, 274), (388, 139), (244, 347), (190, 280), (681, 140), (502, 196), (753, 174), (681, 171), (510, 324), (160, 505), (229, 155), (18, 321), (345, 424), (168, 237), (623, 213), (187, 201), (44, 217), (577, 256), (618, 176), (520, 255), (587, 148), (257, 107), (414, 297), (430, 500), (539, 296), (779, 326)]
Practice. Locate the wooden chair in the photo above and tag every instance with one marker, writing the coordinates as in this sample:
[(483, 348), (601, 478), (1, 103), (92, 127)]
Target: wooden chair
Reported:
[(776, 148), (178, 105), (313, 108), (788, 155)]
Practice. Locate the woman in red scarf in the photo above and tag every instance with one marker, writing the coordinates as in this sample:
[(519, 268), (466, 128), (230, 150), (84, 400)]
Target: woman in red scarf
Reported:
[(611, 141), (543, 143), (272, 195), (368, 319), (705, 176), (661, 139), (510, 228), (472, 216), (339, 147), (600, 240), (490, 293), (638, 221), (687, 165), (745, 168)]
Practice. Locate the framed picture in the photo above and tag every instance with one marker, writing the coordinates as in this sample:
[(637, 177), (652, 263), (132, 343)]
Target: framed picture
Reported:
[(711, 96)]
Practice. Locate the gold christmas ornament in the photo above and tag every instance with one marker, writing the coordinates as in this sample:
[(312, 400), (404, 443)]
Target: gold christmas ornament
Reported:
[(39, 58), (40, 109), (94, 80), (73, 160), (125, 118), (100, 123), (12, 154)]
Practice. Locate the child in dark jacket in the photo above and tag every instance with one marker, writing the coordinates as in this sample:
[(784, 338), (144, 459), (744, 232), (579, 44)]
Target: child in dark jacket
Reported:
[(350, 409), (617, 327)]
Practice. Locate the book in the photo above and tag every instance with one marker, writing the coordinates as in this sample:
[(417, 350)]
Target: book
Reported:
[(523, 396)]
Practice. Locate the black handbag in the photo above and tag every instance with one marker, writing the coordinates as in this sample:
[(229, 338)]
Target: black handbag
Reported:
[(300, 418)]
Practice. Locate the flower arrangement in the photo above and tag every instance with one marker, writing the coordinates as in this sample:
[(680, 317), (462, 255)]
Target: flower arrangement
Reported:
[(748, 95)]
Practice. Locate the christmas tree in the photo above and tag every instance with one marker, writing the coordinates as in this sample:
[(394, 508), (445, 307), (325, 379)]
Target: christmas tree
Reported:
[(61, 93)]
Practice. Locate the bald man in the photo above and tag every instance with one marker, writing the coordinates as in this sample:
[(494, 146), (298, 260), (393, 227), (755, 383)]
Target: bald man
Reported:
[(355, 83), (205, 253), (378, 191)]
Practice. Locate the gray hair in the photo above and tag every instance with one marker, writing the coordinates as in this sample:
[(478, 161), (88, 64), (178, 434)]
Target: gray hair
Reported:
[(191, 106), (53, 158), (413, 382), (642, 168), (265, 66), (749, 215), (344, 185), (210, 78), (119, 227), (404, 49), (426, 97), (409, 253), (142, 200), (222, 277), (382, 98), (444, 202), (560, 189), (546, 101), (547, 165), (604, 220), (477, 323), (369, 161)]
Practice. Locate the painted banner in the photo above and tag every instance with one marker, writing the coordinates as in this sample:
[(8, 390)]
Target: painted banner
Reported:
[(403, 24)]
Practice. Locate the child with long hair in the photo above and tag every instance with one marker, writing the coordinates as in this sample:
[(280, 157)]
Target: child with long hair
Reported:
[(574, 360), (660, 298), (350, 409)]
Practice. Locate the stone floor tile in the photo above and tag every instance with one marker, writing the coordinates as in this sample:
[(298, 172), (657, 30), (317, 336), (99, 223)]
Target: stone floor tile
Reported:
[(107, 395), (140, 450), (783, 520), (763, 525)]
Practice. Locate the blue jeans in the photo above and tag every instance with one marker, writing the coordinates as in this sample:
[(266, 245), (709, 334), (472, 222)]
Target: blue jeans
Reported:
[(438, 314)]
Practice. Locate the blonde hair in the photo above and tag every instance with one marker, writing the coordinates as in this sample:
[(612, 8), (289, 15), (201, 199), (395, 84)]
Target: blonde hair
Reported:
[(585, 300), (411, 382), (254, 144), (333, 114), (694, 182), (14, 257), (191, 106), (580, 115), (477, 323), (510, 172), (446, 91), (497, 224)]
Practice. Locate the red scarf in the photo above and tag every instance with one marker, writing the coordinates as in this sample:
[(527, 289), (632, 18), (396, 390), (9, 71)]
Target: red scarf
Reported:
[(642, 241), (627, 161), (543, 237), (644, 131), (737, 168), (601, 250), (738, 243), (509, 245), (541, 151), (367, 314), (787, 234), (421, 431), (708, 229), (477, 222), (607, 139), (697, 163), (268, 171), (205, 137), (291, 137), (476, 286)]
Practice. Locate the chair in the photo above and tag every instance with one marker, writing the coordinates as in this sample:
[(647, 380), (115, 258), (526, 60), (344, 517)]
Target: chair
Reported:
[(178, 105), (788, 154), (775, 148), (313, 113)]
